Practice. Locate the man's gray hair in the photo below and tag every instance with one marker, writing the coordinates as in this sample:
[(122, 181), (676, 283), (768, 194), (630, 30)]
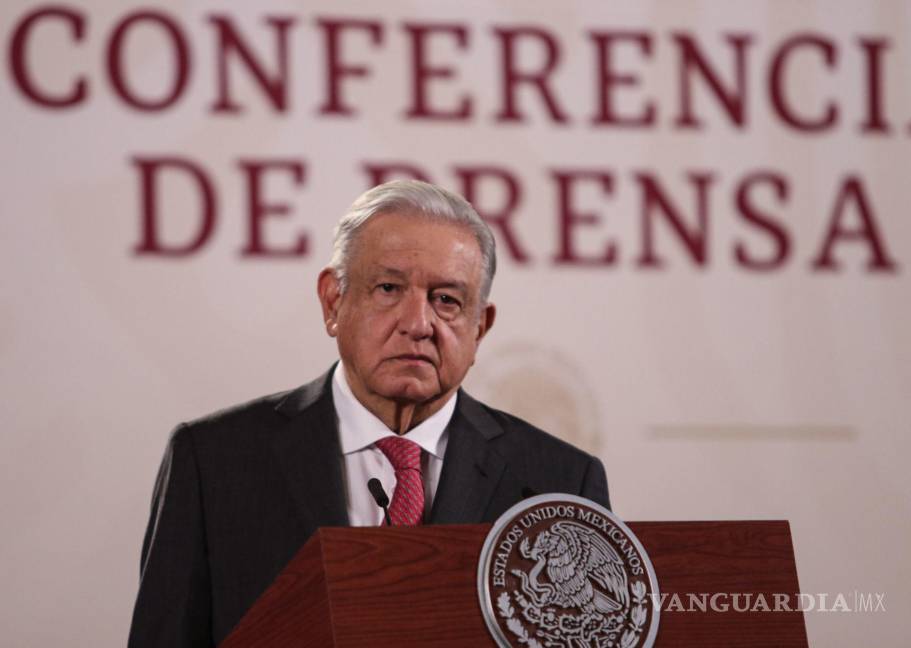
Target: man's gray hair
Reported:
[(420, 199)]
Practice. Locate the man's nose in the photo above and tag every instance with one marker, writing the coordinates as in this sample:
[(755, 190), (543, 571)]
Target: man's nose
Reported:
[(416, 317)]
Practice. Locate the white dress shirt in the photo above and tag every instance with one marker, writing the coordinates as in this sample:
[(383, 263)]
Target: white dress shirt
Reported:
[(359, 430)]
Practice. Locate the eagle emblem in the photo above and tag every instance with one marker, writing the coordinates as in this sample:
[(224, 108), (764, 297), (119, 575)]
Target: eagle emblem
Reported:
[(560, 571), (576, 559)]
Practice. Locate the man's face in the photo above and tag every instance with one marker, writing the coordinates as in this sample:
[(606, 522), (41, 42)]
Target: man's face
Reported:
[(410, 321)]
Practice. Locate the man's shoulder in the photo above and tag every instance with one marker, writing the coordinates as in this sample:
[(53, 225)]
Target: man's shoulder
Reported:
[(517, 432), (538, 460), (237, 414), (256, 416)]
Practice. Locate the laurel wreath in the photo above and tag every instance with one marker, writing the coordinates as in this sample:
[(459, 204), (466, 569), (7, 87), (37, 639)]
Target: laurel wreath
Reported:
[(637, 616), (628, 639), (515, 626)]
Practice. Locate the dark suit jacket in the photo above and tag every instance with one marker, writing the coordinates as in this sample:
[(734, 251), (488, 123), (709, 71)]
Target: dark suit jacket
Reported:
[(239, 492)]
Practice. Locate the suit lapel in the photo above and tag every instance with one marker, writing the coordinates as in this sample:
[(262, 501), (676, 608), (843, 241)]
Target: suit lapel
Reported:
[(471, 467), (308, 451)]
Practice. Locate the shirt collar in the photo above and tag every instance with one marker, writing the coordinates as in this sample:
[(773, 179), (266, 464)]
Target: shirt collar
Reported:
[(360, 428)]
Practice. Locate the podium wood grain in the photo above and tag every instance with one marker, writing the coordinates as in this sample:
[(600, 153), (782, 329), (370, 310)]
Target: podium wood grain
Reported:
[(417, 587)]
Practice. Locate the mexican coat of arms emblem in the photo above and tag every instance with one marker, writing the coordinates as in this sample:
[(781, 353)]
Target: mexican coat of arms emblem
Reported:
[(562, 571)]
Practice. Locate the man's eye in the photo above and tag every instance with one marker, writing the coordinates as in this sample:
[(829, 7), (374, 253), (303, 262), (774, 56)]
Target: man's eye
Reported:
[(387, 287), (448, 301)]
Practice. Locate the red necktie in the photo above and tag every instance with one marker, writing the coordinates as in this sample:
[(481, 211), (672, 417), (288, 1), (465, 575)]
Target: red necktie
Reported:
[(407, 508)]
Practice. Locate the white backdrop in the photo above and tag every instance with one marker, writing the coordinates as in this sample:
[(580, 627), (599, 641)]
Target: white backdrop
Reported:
[(711, 389)]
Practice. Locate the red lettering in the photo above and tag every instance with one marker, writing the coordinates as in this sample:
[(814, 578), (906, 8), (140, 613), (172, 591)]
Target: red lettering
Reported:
[(780, 103), (17, 56), (610, 80), (500, 219), (149, 171), (781, 243), (852, 190), (873, 50), (258, 210), (179, 48), (569, 218), (692, 60), (655, 200), (336, 70), (422, 72), (274, 85), (538, 79)]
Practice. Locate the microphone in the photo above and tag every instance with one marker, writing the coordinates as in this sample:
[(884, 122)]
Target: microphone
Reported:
[(380, 497)]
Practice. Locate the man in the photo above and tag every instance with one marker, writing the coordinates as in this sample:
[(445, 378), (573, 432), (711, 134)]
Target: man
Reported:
[(239, 492)]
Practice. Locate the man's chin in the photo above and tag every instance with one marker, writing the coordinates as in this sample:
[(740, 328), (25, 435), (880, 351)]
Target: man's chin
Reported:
[(410, 391)]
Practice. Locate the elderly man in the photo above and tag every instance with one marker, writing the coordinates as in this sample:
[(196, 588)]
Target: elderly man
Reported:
[(240, 491)]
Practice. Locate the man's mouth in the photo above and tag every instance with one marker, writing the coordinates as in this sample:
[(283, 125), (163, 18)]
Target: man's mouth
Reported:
[(413, 357)]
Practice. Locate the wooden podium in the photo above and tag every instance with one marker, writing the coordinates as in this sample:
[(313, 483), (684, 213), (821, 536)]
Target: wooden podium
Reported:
[(417, 587)]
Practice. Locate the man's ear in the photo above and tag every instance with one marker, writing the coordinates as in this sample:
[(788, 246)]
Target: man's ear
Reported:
[(330, 294), (485, 321)]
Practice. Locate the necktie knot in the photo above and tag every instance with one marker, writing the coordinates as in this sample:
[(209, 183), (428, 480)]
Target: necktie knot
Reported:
[(403, 454)]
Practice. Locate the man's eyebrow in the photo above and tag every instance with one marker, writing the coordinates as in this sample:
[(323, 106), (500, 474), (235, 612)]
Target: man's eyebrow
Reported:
[(389, 271), (386, 270), (458, 285)]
